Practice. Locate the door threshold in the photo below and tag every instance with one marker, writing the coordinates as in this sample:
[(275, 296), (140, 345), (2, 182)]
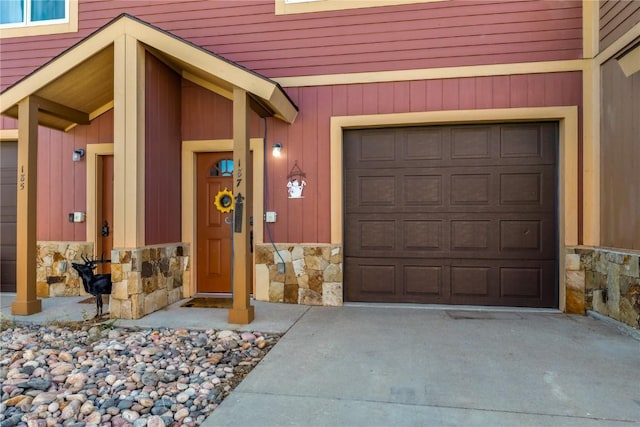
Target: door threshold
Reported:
[(212, 295)]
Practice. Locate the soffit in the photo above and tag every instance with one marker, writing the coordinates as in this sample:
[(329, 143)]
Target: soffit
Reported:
[(87, 88)]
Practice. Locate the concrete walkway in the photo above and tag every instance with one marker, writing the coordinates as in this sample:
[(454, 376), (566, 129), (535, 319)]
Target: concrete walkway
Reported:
[(397, 366), (276, 318), (415, 365)]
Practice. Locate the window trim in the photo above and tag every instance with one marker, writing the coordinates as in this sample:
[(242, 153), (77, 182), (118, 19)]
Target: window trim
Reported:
[(308, 6), (41, 28)]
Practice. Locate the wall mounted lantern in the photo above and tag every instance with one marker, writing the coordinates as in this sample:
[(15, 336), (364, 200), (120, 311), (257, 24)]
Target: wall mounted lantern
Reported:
[(277, 149), (78, 154)]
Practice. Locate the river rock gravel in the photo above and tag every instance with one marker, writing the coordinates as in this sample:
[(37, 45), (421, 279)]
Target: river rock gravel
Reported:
[(101, 375)]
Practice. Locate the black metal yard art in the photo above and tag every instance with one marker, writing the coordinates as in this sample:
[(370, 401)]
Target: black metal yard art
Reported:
[(94, 284)]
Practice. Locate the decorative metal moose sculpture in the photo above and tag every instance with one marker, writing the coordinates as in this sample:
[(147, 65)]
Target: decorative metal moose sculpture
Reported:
[(94, 284)]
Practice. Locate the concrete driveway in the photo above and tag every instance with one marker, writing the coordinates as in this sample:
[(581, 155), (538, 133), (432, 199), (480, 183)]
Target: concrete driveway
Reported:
[(389, 366)]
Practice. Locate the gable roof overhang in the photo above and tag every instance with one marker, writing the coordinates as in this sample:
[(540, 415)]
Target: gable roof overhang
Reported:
[(78, 85)]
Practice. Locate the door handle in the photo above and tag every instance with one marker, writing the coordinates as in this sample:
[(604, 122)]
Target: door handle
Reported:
[(105, 229)]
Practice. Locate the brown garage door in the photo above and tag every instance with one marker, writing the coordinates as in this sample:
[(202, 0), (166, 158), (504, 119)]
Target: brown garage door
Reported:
[(451, 214), (8, 182)]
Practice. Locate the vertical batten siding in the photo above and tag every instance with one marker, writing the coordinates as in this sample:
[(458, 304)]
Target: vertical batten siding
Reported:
[(616, 18), (307, 140), (162, 153), (8, 123), (61, 181), (435, 34), (206, 115), (620, 158)]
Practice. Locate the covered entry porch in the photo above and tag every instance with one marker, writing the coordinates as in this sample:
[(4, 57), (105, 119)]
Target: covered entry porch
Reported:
[(115, 71)]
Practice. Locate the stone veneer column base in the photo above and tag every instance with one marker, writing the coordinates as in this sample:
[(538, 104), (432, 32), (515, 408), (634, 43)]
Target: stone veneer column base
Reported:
[(606, 281), (54, 275), (147, 279), (308, 274)]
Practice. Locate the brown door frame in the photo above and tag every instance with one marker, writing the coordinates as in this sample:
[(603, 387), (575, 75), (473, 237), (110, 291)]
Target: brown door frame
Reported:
[(189, 212)]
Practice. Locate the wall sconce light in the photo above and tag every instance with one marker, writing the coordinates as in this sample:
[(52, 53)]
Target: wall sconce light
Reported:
[(78, 154), (277, 149)]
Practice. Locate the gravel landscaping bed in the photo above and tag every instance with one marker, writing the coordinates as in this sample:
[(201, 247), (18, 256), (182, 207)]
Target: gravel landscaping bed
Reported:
[(100, 375)]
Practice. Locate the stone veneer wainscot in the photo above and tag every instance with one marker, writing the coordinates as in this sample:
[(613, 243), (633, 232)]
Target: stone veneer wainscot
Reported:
[(147, 279), (54, 275), (606, 281), (312, 274)]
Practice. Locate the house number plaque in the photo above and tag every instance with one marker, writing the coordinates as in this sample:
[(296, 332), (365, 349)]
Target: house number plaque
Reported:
[(23, 178)]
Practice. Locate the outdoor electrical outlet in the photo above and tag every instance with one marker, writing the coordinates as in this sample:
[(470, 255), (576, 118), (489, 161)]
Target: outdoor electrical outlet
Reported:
[(270, 216), (280, 268), (77, 217)]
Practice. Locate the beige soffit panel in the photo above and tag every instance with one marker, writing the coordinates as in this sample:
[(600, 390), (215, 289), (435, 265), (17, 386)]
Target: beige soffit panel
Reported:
[(59, 66)]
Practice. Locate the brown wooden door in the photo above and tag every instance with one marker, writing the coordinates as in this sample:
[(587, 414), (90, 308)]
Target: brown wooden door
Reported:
[(213, 238), (105, 219), (8, 207), (452, 214)]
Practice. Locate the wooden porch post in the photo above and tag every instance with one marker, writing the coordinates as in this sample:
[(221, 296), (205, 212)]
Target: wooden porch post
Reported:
[(26, 301), (242, 311), (129, 143)]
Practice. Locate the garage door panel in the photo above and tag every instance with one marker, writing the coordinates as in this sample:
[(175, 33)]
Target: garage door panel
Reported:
[(377, 234), (475, 145), (521, 235), (496, 189), (534, 142), (8, 210), (453, 235), (457, 214), (422, 190), (424, 281), (451, 281), (423, 235), (377, 279), (471, 142), (421, 144), (474, 235), (376, 191), (470, 189), (470, 281), (518, 283), (394, 280)]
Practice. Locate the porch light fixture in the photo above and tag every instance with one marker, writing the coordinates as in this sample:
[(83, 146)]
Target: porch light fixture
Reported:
[(78, 154), (277, 149)]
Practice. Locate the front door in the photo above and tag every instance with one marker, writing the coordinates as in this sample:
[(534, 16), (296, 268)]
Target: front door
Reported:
[(213, 241), (105, 216)]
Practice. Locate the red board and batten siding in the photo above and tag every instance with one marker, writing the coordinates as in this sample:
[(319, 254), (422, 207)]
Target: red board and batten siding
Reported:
[(434, 34), (210, 115), (620, 158), (61, 181), (162, 154), (616, 18)]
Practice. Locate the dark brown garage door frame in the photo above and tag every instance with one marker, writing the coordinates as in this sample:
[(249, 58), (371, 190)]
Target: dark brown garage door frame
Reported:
[(463, 214), (8, 206)]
